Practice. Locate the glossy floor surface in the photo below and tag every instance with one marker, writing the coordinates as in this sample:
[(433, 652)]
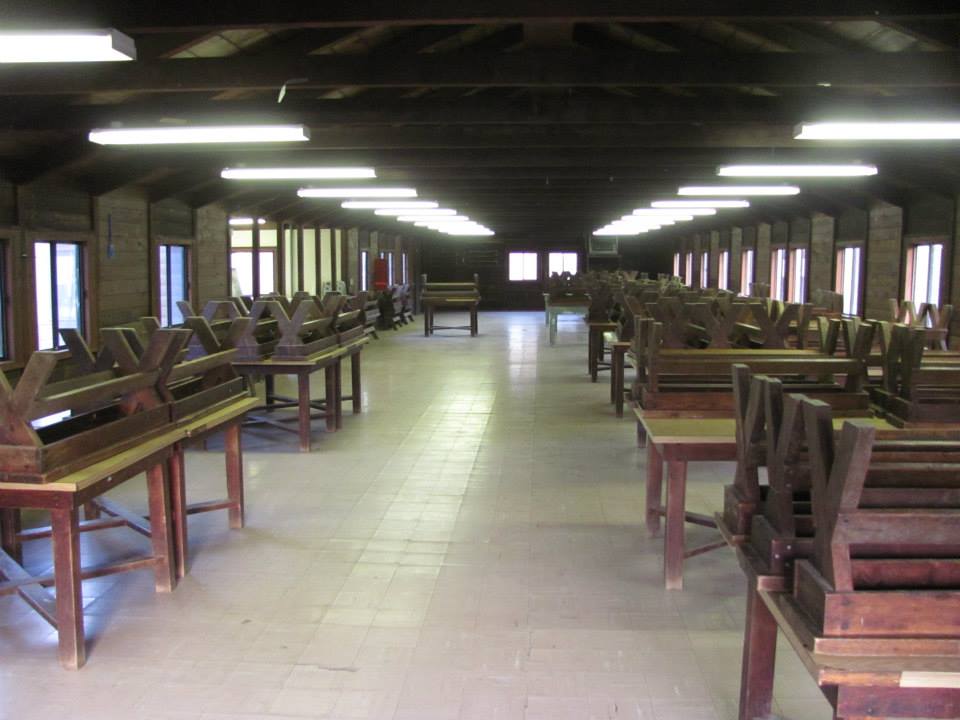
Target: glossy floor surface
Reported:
[(469, 547)]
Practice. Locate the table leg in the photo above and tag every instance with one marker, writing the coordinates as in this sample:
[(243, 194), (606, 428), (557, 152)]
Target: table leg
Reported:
[(759, 657), (613, 376), (10, 526), (355, 384), (66, 569), (674, 532), (339, 375), (161, 528), (552, 325), (654, 490), (426, 322), (233, 450), (330, 377), (592, 352), (178, 506), (303, 408), (618, 368), (474, 322), (269, 382)]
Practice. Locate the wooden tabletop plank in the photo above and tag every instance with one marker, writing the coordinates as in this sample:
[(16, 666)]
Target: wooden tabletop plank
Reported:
[(719, 430)]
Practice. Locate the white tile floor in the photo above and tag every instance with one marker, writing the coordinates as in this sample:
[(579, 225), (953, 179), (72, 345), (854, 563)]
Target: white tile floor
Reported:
[(471, 546)]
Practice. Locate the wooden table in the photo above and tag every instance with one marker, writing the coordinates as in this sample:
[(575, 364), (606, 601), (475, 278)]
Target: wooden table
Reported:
[(63, 500), (303, 368), (595, 347), (678, 441), (227, 419), (428, 306), (553, 310)]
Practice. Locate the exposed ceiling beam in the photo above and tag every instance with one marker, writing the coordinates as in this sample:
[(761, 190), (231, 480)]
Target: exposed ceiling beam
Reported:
[(158, 17), (526, 68)]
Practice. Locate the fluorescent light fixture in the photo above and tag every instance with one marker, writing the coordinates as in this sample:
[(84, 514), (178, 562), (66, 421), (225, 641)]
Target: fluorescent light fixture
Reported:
[(420, 213), (469, 231), (301, 173), (686, 213), (739, 190), (200, 134), (388, 205), (67, 46), (246, 221), (688, 204), (619, 231), (437, 221), (657, 215), (878, 131), (851, 170), (358, 192)]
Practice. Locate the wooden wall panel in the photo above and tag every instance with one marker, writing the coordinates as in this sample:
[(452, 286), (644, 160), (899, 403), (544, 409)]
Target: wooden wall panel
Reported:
[(123, 262), (210, 249), (736, 249), (761, 272)]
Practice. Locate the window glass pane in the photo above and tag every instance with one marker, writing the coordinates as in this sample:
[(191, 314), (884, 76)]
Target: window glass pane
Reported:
[(522, 266), (746, 271), (933, 282), (705, 269), (921, 267), (43, 272), (561, 262), (68, 287), (404, 261), (390, 279), (723, 270), (364, 255), (268, 272), (164, 285), (178, 281), (241, 273), (676, 264)]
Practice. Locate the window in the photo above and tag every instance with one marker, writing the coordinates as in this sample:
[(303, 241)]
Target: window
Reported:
[(389, 269), (561, 262), (705, 269), (723, 271), (676, 264), (403, 269), (364, 269), (688, 269), (924, 273), (174, 283), (59, 284), (746, 271), (798, 275), (848, 279), (241, 270), (778, 274), (523, 266)]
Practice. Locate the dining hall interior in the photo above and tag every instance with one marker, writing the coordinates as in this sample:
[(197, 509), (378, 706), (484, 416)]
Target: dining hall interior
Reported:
[(480, 360)]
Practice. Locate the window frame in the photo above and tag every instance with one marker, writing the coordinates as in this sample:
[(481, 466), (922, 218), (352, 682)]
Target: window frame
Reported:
[(909, 260), (748, 269), (263, 251), (838, 285), (688, 269), (165, 246), (84, 275), (797, 270), (537, 274), (676, 264), (723, 270), (704, 269), (363, 270), (563, 253), (779, 257), (404, 268)]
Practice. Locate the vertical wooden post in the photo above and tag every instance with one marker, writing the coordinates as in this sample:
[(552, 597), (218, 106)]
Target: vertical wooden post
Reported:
[(161, 530), (178, 507), (318, 259), (759, 657), (355, 382), (303, 407), (333, 259), (300, 262), (233, 450), (675, 525)]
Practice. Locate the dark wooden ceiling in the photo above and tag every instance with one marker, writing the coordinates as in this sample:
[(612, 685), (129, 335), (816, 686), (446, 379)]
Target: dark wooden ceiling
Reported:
[(539, 119)]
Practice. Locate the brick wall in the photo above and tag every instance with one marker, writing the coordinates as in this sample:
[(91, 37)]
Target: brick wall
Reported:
[(822, 230)]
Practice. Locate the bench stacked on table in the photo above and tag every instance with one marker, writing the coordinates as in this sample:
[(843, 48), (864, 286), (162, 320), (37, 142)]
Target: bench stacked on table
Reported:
[(932, 319), (307, 335), (64, 443), (449, 295), (396, 306), (852, 549), (564, 294), (690, 382)]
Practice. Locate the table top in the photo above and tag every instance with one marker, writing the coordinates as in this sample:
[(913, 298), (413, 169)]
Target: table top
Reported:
[(92, 474), (276, 365), (690, 430)]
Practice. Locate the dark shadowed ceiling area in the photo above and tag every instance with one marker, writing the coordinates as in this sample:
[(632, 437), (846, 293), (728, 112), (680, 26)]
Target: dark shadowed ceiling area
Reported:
[(539, 119)]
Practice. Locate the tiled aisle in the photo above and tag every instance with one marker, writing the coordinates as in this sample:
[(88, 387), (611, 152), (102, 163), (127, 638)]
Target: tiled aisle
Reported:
[(470, 547)]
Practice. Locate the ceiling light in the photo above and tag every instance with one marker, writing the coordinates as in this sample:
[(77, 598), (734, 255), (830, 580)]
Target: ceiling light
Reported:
[(656, 214), (739, 190), (852, 170), (437, 221), (388, 204), (469, 231), (689, 204), (246, 221), (878, 131), (70, 46), (188, 135), (421, 213), (294, 173), (357, 192)]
